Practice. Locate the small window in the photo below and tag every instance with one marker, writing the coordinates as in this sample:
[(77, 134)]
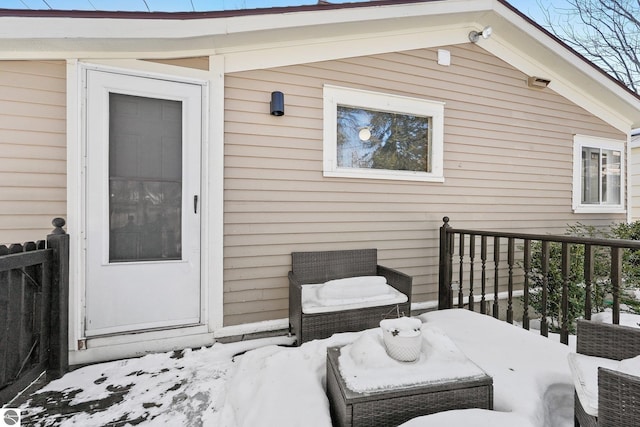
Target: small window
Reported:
[(376, 135), (598, 178)]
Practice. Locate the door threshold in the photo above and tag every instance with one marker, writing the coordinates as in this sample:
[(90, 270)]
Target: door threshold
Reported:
[(144, 336), (142, 331), (105, 348)]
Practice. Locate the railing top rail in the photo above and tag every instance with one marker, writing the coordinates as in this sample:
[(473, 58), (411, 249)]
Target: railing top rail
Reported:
[(615, 243)]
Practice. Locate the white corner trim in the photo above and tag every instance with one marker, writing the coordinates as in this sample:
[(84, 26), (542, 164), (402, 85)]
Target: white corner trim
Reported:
[(213, 185), (75, 218)]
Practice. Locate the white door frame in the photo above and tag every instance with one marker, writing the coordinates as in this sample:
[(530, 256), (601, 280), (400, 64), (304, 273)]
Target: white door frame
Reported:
[(143, 294), (83, 350)]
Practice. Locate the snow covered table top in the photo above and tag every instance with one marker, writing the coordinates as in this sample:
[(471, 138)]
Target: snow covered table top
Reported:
[(365, 365), (395, 405)]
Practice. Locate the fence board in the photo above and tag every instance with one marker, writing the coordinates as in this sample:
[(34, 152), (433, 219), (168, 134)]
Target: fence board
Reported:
[(28, 274), (4, 320), (14, 319)]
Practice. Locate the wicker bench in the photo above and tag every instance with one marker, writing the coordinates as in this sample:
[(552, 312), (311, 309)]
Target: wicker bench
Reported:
[(320, 267), (618, 393)]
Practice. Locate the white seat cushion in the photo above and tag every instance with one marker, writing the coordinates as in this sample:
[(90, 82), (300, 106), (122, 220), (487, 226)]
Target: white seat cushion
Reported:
[(350, 293), (630, 366), (585, 378)]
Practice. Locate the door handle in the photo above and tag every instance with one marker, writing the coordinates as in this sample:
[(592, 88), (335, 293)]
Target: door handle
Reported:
[(195, 204)]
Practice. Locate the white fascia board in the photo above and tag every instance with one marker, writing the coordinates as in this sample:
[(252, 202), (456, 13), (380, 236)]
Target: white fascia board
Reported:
[(16, 28), (82, 37)]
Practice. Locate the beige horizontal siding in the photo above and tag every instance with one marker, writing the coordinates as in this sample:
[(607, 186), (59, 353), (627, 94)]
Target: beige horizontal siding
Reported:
[(507, 164), (32, 148)]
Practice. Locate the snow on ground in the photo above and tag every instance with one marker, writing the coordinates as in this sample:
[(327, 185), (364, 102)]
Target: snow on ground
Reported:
[(263, 383)]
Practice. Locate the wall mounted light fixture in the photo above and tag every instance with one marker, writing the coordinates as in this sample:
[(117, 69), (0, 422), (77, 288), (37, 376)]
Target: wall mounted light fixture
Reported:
[(277, 104), (474, 36)]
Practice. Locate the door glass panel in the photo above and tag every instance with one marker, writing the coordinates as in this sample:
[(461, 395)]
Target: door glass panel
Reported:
[(145, 179)]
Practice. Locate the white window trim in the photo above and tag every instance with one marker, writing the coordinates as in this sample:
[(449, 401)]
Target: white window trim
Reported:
[(334, 95), (580, 141)]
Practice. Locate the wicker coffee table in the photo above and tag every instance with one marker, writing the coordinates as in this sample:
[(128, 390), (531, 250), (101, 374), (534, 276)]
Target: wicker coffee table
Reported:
[(395, 406)]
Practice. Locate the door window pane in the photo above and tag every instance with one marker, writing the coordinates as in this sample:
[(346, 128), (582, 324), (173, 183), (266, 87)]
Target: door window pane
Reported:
[(145, 179)]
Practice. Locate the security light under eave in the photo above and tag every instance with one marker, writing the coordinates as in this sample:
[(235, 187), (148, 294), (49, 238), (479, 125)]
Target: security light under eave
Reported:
[(474, 36)]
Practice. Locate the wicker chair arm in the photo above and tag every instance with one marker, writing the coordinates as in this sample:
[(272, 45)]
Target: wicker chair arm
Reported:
[(400, 281), (618, 398), (295, 304), (294, 280)]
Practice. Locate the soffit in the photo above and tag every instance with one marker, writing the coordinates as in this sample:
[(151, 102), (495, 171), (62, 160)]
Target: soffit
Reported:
[(269, 40)]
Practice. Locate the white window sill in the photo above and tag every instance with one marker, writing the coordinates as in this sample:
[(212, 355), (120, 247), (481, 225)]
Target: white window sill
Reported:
[(600, 209), (383, 174)]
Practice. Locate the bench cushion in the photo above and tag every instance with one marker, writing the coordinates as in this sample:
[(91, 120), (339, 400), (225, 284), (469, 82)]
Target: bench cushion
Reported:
[(349, 293)]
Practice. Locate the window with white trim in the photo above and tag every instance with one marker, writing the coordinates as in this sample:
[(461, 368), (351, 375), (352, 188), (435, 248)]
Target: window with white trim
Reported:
[(377, 135), (598, 174)]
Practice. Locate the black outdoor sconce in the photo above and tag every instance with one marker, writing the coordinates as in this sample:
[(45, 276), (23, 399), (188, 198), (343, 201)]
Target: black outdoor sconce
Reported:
[(277, 104)]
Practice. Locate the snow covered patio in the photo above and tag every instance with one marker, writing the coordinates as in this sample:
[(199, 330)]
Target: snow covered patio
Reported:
[(264, 383)]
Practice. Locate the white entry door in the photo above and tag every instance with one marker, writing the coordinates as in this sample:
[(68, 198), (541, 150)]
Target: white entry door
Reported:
[(143, 147)]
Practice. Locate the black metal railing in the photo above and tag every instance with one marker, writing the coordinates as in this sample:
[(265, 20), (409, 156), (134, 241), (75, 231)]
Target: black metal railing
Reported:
[(34, 283), (512, 270)]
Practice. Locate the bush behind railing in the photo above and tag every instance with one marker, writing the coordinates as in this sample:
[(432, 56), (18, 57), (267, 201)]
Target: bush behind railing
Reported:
[(601, 289)]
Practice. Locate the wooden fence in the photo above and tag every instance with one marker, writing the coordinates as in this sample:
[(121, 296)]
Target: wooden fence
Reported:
[(477, 277), (34, 289)]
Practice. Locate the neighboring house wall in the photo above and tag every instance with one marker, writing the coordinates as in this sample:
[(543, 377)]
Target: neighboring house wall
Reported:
[(32, 148), (507, 164), (634, 177)]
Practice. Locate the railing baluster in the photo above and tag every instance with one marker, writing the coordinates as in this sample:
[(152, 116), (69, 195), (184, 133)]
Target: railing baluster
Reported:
[(496, 279), (588, 279), (616, 282), (444, 276), (461, 272), (451, 252), (472, 254), (566, 259), (483, 290), (544, 327), (527, 272), (510, 260)]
